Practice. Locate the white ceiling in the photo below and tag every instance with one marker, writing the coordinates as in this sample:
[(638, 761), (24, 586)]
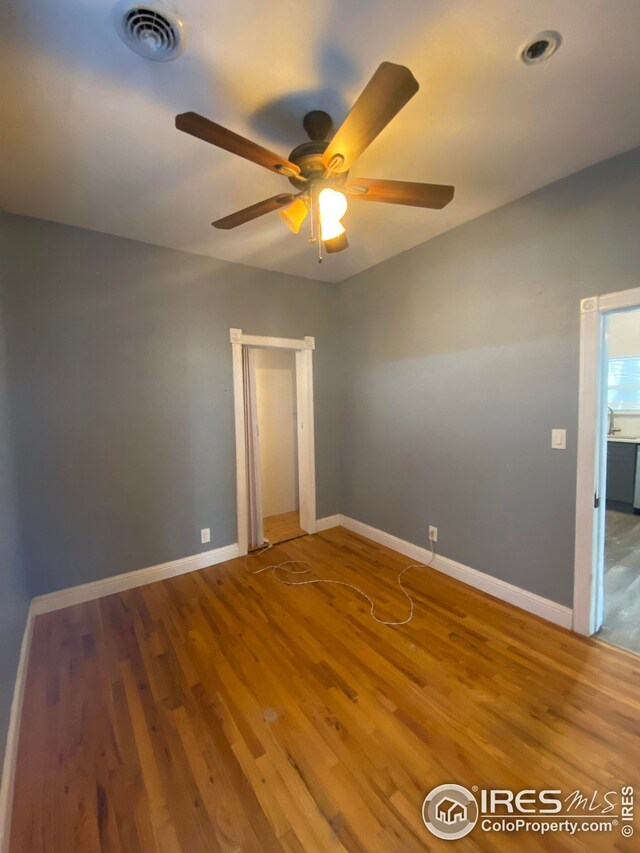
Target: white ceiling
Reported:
[(88, 136)]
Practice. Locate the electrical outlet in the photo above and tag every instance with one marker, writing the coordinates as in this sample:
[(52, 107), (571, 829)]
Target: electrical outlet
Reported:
[(205, 535), (433, 533)]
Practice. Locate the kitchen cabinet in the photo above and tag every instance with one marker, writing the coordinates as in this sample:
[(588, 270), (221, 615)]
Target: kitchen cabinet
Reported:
[(622, 462)]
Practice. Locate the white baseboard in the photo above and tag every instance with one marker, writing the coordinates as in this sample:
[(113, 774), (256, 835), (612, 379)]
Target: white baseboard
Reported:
[(13, 735), (118, 583), (327, 522), (529, 601)]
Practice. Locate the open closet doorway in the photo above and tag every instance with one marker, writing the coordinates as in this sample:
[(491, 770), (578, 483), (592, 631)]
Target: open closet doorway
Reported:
[(277, 445), (607, 570), (275, 455)]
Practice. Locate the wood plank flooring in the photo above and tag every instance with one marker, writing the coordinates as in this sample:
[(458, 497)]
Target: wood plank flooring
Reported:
[(144, 724), (281, 528)]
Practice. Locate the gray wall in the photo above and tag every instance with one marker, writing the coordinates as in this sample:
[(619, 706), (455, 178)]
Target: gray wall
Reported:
[(14, 598), (461, 355), (122, 401)]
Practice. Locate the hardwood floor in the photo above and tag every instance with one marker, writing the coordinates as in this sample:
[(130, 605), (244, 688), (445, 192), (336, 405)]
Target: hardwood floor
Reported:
[(281, 528), (223, 711)]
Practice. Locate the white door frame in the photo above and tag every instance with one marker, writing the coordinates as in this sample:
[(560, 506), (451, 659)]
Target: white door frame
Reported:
[(306, 442), (591, 482)]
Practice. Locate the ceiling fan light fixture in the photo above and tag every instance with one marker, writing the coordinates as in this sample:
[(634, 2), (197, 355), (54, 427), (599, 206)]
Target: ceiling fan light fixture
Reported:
[(338, 244), (331, 229), (333, 206), (294, 215), (316, 167)]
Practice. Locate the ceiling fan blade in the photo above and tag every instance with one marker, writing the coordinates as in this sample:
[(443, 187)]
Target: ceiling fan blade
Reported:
[(209, 131), (390, 88), (400, 192), (254, 211)]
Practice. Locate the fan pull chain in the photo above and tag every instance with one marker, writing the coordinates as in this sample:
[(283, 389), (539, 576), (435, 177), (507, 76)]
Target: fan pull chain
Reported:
[(312, 238)]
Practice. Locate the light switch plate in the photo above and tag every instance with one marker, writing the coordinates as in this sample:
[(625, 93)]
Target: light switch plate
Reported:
[(559, 439)]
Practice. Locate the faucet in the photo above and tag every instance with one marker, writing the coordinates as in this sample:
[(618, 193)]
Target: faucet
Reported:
[(612, 428)]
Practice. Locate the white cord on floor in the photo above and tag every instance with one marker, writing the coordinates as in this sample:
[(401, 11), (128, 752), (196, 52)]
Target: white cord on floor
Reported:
[(281, 566)]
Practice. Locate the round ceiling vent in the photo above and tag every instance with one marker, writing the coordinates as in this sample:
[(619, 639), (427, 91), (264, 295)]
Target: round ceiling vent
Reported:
[(540, 47), (149, 31)]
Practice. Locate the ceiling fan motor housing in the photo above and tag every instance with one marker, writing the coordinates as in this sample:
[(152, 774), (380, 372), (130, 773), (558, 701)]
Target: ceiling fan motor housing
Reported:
[(308, 156), (318, 125)]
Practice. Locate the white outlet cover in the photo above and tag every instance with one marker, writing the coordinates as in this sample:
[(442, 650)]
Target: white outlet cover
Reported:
[(205, 535)]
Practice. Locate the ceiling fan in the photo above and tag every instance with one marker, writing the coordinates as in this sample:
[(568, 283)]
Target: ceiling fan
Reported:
[(319, 170)]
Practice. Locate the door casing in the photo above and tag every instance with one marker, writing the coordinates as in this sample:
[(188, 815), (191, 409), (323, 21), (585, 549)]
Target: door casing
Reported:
[(588, 588), (304, 349)]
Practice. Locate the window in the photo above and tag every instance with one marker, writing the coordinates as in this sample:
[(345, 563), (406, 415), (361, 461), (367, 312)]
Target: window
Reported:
[(623, 384)]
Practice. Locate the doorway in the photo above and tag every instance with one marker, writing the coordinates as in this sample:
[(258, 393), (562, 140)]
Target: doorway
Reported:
[(274, 425), (277, 456), (607, 568), (621, 594)]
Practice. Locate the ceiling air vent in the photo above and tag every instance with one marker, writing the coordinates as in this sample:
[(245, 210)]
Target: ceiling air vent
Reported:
[(149, 31)]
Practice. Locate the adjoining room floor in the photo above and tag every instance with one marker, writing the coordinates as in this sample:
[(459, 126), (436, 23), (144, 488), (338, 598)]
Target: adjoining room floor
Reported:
[(221, 710), (622, 580), (281, 528)]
